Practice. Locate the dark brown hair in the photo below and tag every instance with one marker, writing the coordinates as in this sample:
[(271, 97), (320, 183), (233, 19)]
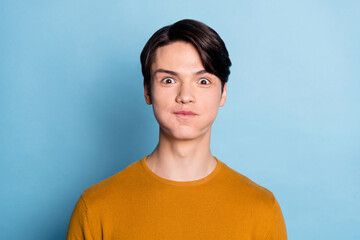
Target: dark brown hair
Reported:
[(210, 46)]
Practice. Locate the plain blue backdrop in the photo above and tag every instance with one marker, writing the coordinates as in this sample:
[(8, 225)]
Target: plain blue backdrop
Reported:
[(72, 110)]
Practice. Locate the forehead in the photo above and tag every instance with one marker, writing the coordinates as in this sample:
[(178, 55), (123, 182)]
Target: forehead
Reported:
[(180, 56)]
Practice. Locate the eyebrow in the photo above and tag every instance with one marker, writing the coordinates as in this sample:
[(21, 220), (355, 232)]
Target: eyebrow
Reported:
[(160, 70)]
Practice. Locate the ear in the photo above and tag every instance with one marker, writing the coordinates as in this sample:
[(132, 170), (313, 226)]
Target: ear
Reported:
[(147, 94), (223, 96)]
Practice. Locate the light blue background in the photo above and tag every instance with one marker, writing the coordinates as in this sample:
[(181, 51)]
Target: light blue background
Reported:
[(72, 110)]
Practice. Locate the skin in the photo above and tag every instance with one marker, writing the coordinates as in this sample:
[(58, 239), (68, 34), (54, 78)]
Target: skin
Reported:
[(180, 82)]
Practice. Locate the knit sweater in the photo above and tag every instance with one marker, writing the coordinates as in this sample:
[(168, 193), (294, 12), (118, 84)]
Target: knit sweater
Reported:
[(136, 203)]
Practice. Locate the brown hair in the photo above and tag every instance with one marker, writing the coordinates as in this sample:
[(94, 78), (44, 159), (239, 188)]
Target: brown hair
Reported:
[(210, 46)]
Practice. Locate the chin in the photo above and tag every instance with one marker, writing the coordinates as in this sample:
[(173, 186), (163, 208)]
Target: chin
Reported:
[(185, 134)]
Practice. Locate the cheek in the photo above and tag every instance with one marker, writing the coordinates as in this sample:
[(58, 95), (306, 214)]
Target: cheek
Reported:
[(161, 109), (211, 102), (163, 100)]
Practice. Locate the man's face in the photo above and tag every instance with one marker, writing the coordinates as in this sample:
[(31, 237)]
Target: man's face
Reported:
[(180, 83)]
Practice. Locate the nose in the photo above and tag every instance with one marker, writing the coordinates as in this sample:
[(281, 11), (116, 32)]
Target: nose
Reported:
[(185, 93)]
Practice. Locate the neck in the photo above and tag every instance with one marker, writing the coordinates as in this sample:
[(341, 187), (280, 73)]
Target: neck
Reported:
[(182, 160)]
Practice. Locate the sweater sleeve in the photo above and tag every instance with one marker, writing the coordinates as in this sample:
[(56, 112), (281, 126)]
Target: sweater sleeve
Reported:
[(277, 228), (79, 227)]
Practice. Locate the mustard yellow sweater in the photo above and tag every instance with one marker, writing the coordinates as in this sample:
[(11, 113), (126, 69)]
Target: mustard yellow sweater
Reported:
[(138, 204)]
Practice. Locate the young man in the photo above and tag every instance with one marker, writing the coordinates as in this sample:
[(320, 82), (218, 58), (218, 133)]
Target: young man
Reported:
[(180, 191)]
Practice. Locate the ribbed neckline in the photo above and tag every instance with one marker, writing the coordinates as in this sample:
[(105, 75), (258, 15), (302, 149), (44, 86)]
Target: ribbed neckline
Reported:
[(182, 183)]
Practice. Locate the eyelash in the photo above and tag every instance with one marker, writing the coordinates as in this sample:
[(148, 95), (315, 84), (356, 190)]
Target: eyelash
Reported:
[(206, 80), (166, 79), (199, 80)]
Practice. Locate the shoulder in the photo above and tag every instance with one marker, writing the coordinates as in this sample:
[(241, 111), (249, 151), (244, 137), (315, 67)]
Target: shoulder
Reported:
[(245, 189), (257, 203), (114, 186)]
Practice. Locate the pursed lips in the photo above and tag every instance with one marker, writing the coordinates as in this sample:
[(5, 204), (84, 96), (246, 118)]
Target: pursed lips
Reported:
[(185, 113)]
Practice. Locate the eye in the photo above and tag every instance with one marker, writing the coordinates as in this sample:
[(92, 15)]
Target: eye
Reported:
[(168, 80), (204, 81)]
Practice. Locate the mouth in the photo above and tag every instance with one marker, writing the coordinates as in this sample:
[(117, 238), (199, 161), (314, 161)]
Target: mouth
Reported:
[(185, 114)]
